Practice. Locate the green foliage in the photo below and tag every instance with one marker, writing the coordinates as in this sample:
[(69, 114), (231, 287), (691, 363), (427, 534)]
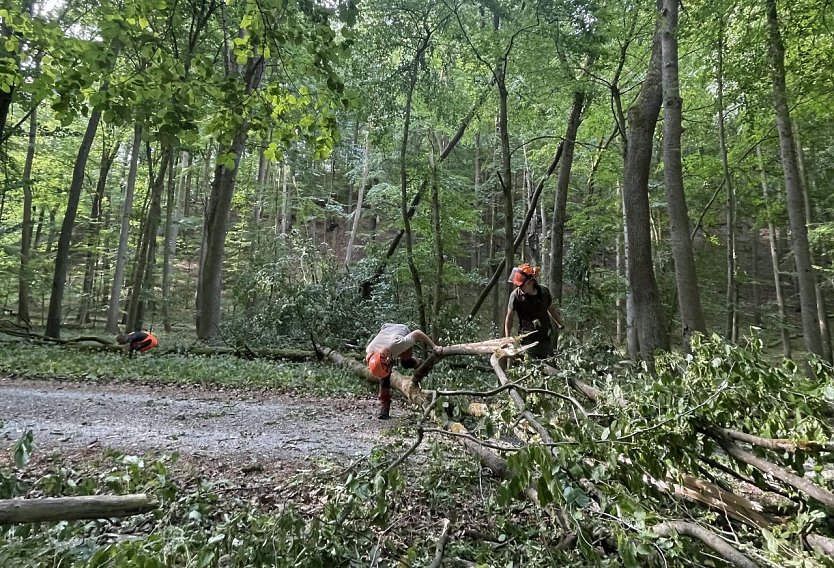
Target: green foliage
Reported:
[(293, 290)]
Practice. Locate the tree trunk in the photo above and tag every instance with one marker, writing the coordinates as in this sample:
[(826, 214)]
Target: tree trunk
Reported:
[(53, 318), (642, 118), (26, 232), (146, 249), (632, 339), (39, 230), (437, 238), (51, 509), (360, 196), (822, 313), (506, 177), (686, 276), (257, 207), (409, 242), (217, 217), (285, 199), (108, 156), (796, 206), (754, 275), (113, 314), (774, 258), (731, 324), (557, 229), (50, 238), (169, 248)]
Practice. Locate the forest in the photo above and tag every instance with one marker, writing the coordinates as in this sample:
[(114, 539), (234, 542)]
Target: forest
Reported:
[(262, 184)]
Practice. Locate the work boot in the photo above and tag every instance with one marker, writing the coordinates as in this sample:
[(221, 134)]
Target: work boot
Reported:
[(384, 411), (384, 403)]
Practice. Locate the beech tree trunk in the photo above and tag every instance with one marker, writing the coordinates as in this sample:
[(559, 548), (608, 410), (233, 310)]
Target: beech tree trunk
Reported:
[(774, 258), (731, 324), (796, 205), (146, 249), (170, 231), (113, 313), (557, 227), (24, 275), (642, 118), (108, 156), (822, 312), (686, 276), (437, 239), (409, 241), (217, 217), (360, 197), (632, 338), (54, 315)]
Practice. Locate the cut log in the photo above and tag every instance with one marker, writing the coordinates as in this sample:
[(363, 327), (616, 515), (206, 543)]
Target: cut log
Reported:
[(74, 508)]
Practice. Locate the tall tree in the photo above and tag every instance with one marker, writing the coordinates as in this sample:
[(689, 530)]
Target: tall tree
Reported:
[(731, 327), (113, 313), (62, 254), (26, 230), (641, 120), (686, 276), (217, 209), (796, 204)]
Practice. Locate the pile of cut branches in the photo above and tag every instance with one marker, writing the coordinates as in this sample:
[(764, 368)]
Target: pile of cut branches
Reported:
[(718, 457)]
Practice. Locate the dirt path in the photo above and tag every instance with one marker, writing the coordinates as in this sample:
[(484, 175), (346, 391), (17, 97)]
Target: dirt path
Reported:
[(247, 426)]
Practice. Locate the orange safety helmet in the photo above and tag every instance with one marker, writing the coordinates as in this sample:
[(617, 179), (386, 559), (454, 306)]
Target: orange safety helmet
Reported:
[(379, 366), (522, 273)]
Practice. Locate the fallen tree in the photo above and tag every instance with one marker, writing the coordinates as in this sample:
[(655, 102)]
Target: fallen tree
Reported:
[(74, 508), (633, 458)]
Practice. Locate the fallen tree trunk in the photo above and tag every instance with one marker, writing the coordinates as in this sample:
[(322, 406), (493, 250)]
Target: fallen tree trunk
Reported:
[(800, 483), (709, 538), (98, 344), (74, 508)]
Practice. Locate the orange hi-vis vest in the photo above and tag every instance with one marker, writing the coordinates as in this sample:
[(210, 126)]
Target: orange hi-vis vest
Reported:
[(153, 342)]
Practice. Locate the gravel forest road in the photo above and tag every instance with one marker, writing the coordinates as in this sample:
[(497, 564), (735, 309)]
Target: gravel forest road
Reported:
[(204, 423)]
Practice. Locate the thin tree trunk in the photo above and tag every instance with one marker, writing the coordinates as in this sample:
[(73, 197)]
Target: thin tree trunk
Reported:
[(146, 254), (169, 248), (774, 258), (39, 230), (793, 187), (108, 156), (506, 173), (257, 207), (557, 229), (285, 199), (642, 118), (437, 237), (686, 275), (618, 299), (360, 196), (50, 239), (731, 324), (113, 313), (822, 314), (24, 275), (632, 339), (415, 275), (754, 274), (54, 315)]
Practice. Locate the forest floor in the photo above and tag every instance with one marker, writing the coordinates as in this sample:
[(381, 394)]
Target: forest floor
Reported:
[(218, 432)]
